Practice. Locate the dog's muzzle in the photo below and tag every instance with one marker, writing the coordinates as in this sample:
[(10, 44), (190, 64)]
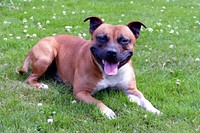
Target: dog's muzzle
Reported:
[(111, 59)]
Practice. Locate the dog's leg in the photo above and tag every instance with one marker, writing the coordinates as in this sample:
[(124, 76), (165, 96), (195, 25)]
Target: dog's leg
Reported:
[(25, 66), (38, 69), (86, 97), (136, 96)]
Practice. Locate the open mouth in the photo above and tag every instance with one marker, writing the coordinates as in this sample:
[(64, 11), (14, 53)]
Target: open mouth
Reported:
[(111, 65), (110, 68)]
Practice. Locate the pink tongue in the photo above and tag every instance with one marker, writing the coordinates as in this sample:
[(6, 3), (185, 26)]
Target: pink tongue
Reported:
[(110, 68)]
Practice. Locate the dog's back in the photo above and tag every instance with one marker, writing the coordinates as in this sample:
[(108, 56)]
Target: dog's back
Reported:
[(43, 57)]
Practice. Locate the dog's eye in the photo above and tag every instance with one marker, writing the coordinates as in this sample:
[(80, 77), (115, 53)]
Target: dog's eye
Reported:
[(102, 38), (124, 40)]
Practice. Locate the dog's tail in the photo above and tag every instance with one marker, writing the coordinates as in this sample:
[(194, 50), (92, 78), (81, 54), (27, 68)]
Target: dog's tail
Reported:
[(25, 65)]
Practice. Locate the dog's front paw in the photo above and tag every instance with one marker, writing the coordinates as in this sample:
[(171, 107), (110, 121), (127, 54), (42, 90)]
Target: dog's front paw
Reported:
[(43, 86), (108, 113), (149, 107), (133, 98)]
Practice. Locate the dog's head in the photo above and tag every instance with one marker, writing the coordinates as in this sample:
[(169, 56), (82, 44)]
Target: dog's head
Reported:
[(113, 45)]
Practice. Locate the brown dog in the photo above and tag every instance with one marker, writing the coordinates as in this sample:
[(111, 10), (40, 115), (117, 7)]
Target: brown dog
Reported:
[(91, 65)]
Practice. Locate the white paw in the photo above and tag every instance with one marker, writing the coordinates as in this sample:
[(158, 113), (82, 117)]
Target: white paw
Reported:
[(148, 106), (108, 113), (133, 98), (43, 86), (144, 103)]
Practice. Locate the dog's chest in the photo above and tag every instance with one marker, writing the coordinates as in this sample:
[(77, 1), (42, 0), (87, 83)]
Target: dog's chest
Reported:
[(119, 81)]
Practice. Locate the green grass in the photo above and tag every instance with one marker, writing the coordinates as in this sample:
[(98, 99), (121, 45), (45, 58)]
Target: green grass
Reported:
[(166, 63)]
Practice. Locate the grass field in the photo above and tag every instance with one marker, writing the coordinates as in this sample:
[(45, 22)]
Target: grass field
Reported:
[(166, 62)]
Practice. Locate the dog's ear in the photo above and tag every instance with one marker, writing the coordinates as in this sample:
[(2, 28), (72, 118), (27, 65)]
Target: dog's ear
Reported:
[(135, 27), (95, 22)]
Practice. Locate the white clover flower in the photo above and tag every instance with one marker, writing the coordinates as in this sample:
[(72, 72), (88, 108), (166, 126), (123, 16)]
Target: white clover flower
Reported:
[(68, 27), (74, 101), (76, 27), (5, 39), (161, 30), (33, 7), (18, 37), (10, 35), (24, 31), (34, 35), (54, 17), (178, 82), (39, 104), (171, 31), (79, 35), (39, 25), (28, 36), (84, 34), (123, 15), (24, 20), (120, 21), (197, 22), (42, 7), (50, 120), (131, 2), (5, 22), (68, 30), (54, 112), (150, 30), (83, 11), (25, 12), (47, 22), (197, 59), (31, 18), (171, 46), (168, 26), (64, 13), (73, 13), (159, 23)]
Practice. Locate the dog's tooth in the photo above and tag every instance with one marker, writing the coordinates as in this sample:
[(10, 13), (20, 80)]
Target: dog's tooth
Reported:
[(103, 61)]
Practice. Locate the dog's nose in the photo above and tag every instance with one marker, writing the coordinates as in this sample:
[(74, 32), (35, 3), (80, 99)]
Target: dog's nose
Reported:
[(112, 53)]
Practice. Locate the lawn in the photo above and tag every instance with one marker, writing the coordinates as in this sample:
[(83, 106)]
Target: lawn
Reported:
[(166, 62)]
